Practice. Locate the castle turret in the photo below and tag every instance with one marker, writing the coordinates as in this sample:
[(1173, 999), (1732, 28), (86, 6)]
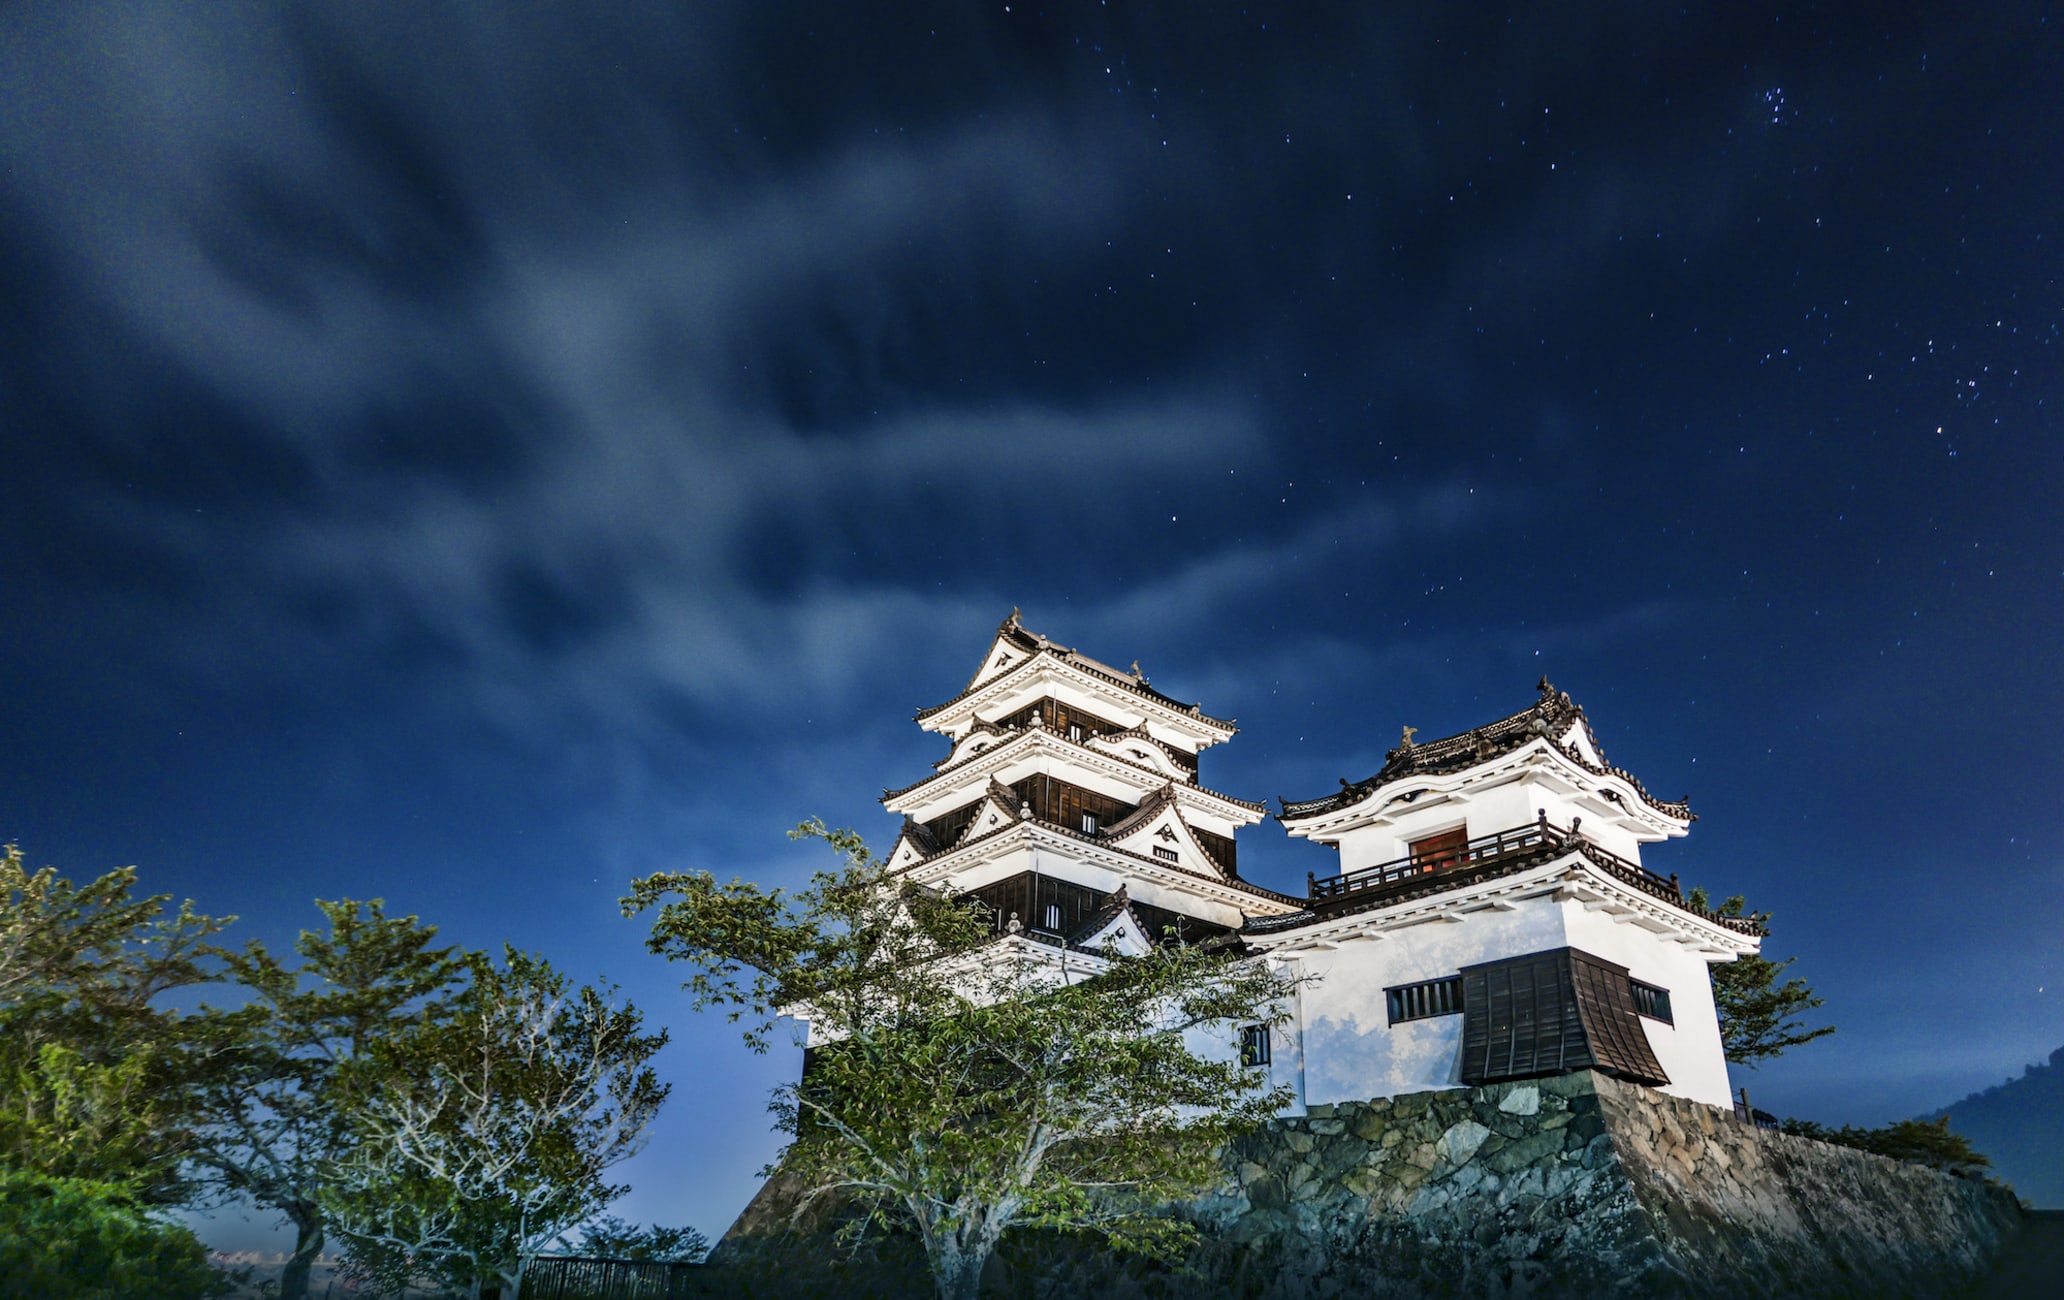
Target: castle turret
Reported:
[(1491, 919)]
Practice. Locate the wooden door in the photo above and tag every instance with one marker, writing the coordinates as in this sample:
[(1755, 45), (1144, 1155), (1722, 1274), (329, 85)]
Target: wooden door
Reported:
[(1437, 852)]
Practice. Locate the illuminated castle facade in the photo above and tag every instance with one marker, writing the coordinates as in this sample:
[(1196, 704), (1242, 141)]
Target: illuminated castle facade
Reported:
[(1488, 916), (1069, 803)]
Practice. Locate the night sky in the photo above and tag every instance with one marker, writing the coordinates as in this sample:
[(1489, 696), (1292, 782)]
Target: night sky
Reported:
[(472, 456)]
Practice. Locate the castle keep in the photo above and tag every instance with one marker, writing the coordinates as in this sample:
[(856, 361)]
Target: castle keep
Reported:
[(1487, 918)]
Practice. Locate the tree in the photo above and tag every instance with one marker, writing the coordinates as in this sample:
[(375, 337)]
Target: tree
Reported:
[(1758, 1015), (1928, 1142), (610, 1237), (1918, 1141), (273, 1117), (963, 1089), (73, 1239), (68, 1117), (480, 1137), (96, 1081), (93, 943)]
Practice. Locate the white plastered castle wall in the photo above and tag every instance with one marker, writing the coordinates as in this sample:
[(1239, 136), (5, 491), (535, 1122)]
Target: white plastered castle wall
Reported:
[(1349, 1051)]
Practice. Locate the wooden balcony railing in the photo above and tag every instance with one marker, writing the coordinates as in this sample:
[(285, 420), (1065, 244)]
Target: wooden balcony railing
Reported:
[(1507, 849)]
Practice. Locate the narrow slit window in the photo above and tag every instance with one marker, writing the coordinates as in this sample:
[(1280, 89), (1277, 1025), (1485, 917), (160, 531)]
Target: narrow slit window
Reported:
[(1425, 1000), (1089, 823), (1053, 917), (1254, 1045), (1167, 855)]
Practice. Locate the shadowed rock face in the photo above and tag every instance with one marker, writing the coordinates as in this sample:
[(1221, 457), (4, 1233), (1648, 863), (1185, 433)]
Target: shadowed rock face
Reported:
[(1575, 1186)]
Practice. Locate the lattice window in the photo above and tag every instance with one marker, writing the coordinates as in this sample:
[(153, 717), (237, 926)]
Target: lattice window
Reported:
[(1425, 1000), (1254, 1045), (1651, 1001)]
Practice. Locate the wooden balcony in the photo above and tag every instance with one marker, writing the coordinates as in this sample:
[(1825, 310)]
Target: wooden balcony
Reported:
[(1496, 854)]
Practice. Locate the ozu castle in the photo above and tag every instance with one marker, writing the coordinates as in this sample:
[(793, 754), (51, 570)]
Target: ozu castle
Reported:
[(1487, 918), (1506, 1071)]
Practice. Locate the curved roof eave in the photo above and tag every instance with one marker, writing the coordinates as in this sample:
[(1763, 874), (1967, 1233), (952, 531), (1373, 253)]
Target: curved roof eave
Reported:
[(1061, 656), (1549, 718)]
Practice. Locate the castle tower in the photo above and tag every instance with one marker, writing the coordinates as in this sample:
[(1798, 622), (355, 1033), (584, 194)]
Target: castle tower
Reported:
[(1069, 803), (1491, 919)]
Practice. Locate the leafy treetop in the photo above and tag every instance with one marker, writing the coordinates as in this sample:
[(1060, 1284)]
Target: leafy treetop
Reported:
[(962, 1086), (1759, 1017)]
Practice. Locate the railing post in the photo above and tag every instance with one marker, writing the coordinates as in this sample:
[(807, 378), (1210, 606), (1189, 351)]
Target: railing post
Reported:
[(1311, 886)]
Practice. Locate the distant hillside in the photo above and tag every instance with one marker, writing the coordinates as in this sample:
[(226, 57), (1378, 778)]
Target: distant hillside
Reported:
[(2020, 1125)]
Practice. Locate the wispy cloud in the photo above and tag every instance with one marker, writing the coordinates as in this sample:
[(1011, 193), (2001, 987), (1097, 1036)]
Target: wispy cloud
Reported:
[(533, 447)]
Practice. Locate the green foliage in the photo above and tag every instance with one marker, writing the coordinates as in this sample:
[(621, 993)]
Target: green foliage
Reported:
[(273, 1120), (457, 1112), (479, 1136), (92, 945), (964, 1086), (68, 1117), (70, 1239), (1919, 1141), (96, 1081), (610, 1237), (1759, 1017)]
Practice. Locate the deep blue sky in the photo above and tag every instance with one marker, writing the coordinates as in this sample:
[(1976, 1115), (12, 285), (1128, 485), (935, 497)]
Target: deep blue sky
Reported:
[(472, 458)]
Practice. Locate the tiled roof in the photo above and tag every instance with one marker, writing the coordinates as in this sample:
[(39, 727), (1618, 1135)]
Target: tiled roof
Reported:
[(1227, 882), (941, 769), (1038, 646), (1548, 718), (1155, 801), (919, 835), (1118, 904)]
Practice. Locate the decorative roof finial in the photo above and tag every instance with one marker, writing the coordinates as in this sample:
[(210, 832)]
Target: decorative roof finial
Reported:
[(1406, 741), (1013, 619), (1136, 672), (1545, 686)]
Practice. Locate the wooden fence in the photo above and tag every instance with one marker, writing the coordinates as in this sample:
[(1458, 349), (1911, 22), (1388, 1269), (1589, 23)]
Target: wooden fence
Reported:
[(575, 1277)]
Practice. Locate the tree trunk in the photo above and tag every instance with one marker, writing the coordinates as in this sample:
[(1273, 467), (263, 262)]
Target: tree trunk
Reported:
[(959, 1273), (308, 1244)]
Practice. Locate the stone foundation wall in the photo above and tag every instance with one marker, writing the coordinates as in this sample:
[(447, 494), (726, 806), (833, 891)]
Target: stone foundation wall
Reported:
[(1576, 1186), (1788, 1215)]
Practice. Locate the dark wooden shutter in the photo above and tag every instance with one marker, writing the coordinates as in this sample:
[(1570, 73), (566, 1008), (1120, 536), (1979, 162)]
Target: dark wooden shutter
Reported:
[(1611, 1024), (1550, 1013)]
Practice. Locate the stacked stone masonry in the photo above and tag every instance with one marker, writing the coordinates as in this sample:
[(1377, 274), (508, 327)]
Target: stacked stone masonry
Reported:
[(1577, 1186)]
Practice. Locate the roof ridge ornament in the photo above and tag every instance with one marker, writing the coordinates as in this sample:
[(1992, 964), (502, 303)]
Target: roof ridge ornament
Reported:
[(1553, 717)]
